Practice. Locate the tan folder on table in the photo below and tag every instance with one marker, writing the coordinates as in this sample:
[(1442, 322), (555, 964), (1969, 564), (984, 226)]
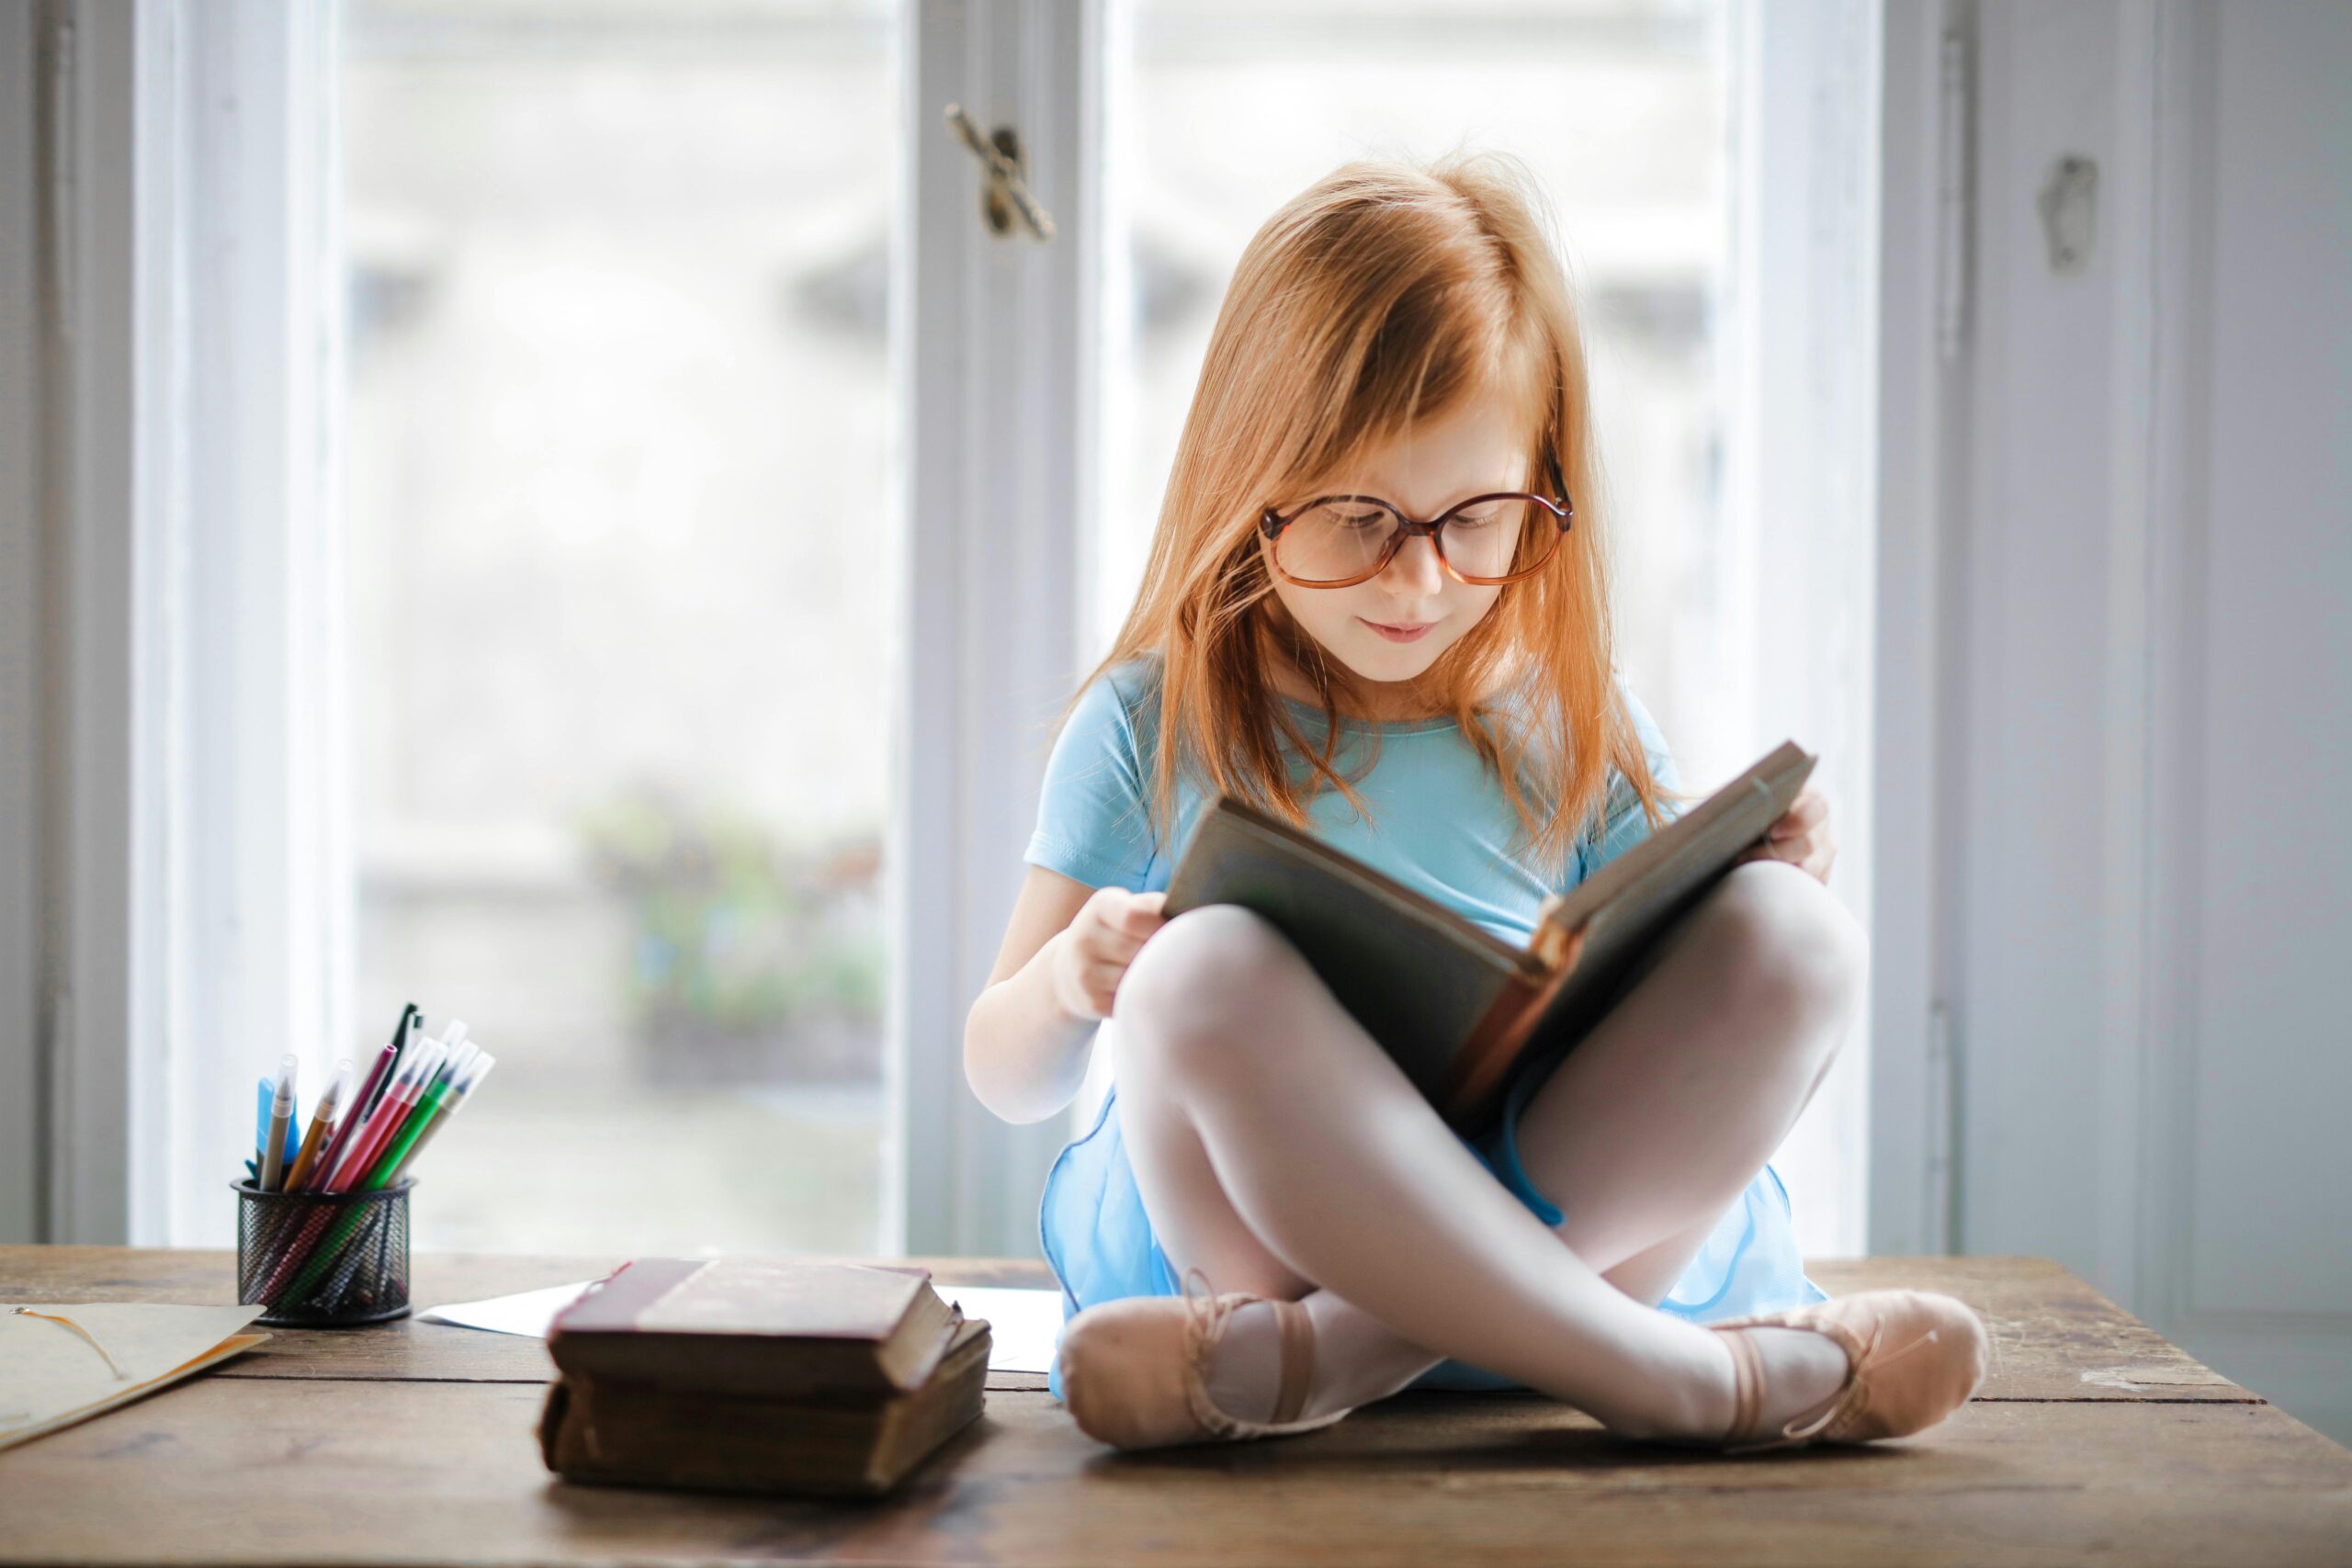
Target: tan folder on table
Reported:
[(54, 1374)]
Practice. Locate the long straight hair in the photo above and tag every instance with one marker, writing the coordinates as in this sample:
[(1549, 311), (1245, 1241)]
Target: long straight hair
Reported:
[(1385, 294)]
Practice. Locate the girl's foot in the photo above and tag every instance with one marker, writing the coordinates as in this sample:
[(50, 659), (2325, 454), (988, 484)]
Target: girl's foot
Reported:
[(1912, 1358), (1138, 1372)]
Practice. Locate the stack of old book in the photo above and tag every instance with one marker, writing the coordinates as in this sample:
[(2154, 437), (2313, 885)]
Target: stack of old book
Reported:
[(759, 1375)]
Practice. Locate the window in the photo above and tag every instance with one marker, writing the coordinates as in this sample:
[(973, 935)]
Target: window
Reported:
[(642, 589), (621, 562)]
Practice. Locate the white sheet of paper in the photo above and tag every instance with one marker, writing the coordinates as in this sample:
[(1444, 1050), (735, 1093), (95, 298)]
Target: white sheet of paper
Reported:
[(528, 1312), (1023, 1324)]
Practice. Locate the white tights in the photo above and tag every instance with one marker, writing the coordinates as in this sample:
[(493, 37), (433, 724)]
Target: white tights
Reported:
[(1279, 1149)]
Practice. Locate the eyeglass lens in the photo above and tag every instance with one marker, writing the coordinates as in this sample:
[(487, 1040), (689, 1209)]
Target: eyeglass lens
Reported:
[(1334, 540)]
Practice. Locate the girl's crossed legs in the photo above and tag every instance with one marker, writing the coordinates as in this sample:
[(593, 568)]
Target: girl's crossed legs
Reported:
[(1279, 1148)]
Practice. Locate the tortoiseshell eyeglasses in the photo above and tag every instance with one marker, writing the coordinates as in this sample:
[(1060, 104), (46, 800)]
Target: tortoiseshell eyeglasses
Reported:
[(1334, 541)]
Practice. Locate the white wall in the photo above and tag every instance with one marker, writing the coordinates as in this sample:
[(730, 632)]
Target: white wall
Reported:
[(2143, 866)]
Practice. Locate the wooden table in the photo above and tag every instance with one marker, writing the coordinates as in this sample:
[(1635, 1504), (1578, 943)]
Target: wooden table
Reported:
[(2093, 1439)]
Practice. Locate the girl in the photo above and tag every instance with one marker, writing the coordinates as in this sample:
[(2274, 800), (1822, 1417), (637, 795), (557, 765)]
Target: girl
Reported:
[(1377, 604)]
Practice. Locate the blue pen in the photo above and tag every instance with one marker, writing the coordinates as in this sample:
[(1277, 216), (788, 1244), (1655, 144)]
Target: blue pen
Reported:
[(280, 1142), (266, 1104)]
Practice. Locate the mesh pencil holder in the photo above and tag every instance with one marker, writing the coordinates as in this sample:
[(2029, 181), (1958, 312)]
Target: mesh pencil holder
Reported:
[(320, 1260)]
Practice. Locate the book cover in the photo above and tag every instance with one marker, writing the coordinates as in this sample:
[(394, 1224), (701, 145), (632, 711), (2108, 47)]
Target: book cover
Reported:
[(777, 1328), (1454, 1005)]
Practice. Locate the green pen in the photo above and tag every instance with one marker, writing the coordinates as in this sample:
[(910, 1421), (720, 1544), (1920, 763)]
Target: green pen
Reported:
[(429, 1108), (458, 1096)]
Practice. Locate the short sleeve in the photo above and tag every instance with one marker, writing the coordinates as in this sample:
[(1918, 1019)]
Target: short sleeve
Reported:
[(1624, 824), (1092, 822)]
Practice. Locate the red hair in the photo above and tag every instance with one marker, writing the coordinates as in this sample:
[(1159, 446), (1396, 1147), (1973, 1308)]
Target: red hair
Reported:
[(1384, 294)]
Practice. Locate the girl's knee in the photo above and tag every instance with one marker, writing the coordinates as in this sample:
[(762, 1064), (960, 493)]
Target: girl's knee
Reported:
[(1790, 943), (1193, 986)]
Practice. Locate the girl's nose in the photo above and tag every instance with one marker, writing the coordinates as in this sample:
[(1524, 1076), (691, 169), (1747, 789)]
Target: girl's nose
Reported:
[(1415, 565)]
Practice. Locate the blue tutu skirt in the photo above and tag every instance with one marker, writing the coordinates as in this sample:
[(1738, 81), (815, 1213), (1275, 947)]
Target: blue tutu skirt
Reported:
[(1091, 1224)]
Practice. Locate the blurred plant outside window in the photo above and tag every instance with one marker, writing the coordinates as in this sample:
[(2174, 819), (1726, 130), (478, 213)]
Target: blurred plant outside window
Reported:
[(619, 500)]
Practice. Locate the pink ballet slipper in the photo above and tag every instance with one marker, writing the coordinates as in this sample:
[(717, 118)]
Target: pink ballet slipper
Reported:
[(1135, 1370), (1913, 1357)]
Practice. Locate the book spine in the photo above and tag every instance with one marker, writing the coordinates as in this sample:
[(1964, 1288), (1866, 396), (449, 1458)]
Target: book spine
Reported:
[(1465, 1094), (1547, 948)]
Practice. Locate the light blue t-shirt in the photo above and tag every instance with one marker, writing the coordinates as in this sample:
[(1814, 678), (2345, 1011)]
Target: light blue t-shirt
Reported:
[(1440, 822)]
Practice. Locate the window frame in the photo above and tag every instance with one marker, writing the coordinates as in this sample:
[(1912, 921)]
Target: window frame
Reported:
[(191, 751), (190, 914), (994, 339), (176, 815)]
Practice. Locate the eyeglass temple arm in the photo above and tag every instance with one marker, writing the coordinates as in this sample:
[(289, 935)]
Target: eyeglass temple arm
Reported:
[(1560, 485)]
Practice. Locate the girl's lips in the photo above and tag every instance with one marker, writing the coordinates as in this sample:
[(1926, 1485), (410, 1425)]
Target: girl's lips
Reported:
[(1400, 634)]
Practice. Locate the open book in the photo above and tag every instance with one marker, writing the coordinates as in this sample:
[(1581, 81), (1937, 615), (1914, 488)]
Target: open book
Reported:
[(1455, 1004)]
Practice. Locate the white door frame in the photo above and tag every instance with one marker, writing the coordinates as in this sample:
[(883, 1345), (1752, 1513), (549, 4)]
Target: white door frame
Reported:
[(1799, 481), (168, 815), (995, 361), (1922, 300), (82, 815)]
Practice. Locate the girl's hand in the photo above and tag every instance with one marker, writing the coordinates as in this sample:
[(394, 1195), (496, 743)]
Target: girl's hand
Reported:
[(1801, 837), (1099, 944)]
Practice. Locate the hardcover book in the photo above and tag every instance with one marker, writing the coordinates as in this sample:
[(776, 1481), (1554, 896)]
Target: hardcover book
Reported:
[(1456, 1006), (636, 1435), (758, 1328)]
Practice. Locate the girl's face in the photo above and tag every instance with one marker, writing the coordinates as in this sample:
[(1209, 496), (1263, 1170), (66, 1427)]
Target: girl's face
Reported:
[(1392, 627)]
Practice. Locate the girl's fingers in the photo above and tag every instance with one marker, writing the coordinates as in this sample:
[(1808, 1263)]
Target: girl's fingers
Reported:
[(1793, 849), (1811, 852), (1806, 811), (1103, 984), (1115, 947), (1825, 850)]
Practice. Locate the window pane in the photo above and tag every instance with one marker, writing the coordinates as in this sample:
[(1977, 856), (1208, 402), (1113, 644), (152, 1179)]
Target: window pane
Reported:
[(621, 571), (1620, 109)]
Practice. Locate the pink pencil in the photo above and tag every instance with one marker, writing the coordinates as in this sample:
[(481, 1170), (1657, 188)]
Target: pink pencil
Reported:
[(396, 1103), (349, 1124)]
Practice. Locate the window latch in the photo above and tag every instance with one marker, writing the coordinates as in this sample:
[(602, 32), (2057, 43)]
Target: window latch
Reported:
[(2069, 207), (1004, 194)]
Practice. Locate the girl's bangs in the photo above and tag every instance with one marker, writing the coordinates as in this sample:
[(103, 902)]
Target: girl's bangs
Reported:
[(1383, 409)]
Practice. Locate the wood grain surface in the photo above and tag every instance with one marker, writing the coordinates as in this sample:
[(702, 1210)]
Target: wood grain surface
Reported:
[(2094, 1440)]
